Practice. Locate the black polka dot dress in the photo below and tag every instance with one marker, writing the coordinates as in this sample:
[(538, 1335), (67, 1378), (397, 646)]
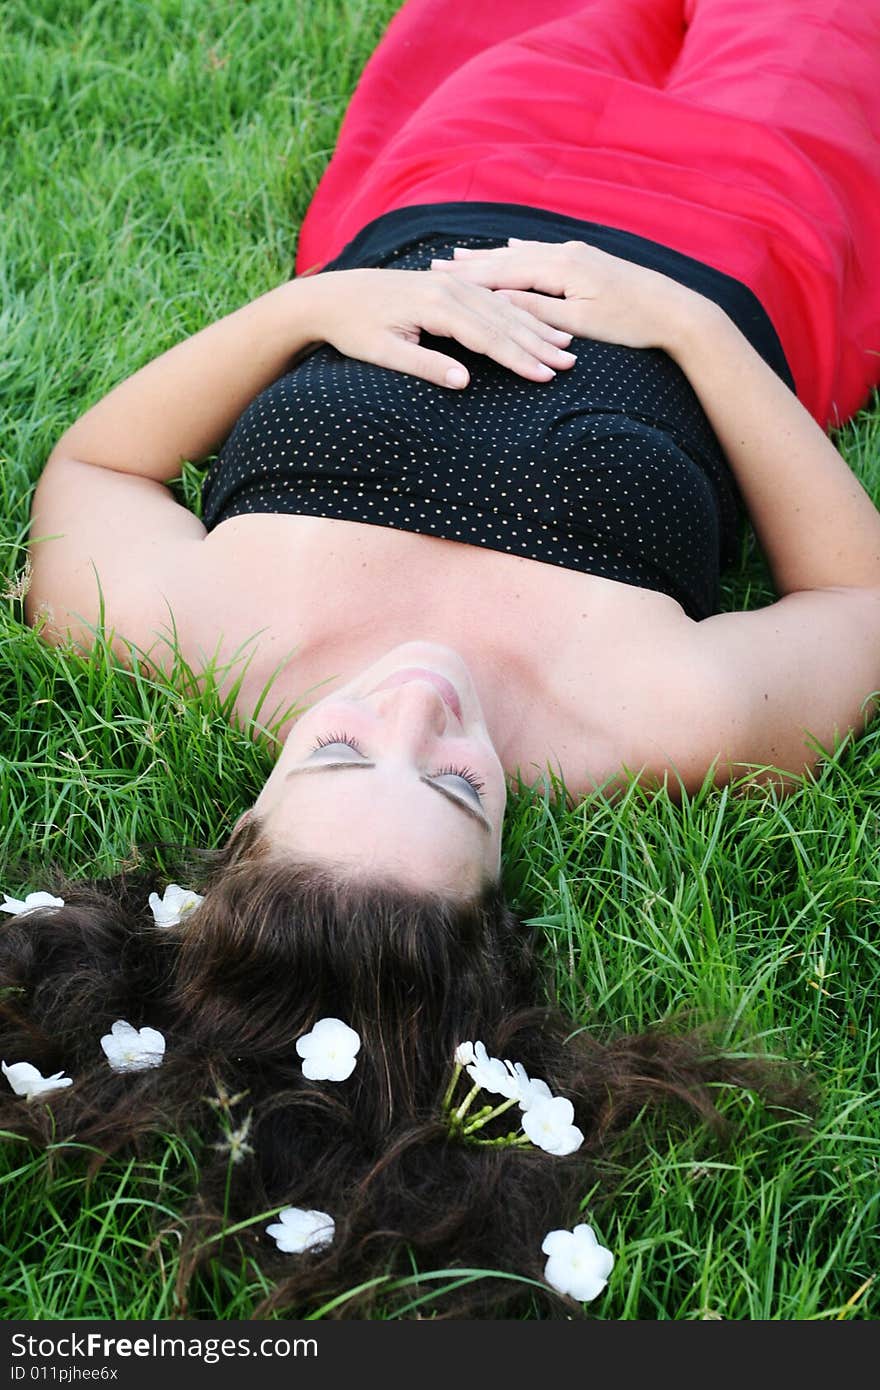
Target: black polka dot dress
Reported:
[(611, 468)]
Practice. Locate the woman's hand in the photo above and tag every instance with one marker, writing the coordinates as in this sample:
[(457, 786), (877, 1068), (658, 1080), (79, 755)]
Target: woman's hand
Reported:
[(379, 315), (580, 289)]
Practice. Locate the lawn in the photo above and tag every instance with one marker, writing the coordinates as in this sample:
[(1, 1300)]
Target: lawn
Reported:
[(157, 160)]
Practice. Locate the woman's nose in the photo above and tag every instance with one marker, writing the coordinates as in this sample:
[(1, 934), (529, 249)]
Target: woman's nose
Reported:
[(414, 709)]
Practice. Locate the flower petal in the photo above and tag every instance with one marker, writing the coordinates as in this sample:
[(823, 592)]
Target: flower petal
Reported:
[(152, 1040), (586, 1236), (122, 1030), (578, 1265), (133, 1049), (529, 1089), (299, 1230), (556, 1242), (27, 1080), (21, 1076), (334, 1030), (321, 1068), (174, 904), (537, 1090), (29, 903), (491, 1074), (568, 1141), (329, 1050), (557, 1273)]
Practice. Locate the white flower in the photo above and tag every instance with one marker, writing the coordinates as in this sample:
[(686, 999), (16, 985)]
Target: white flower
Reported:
[(490, 1074), (235, 1143), (464, 1054), (578, 1264), (329, 1050), (27, 904), (300, 1230), (133, 1049), (26, 1080), (174, 904), (529, 1089), (548, 1123)]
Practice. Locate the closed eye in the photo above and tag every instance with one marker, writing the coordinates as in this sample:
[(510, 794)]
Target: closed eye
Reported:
[(335, 740), (340, 760), (455, 778), (461, 775)]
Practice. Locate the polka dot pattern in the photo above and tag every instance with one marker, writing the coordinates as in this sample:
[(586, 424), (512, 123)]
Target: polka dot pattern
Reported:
[(611, 468)]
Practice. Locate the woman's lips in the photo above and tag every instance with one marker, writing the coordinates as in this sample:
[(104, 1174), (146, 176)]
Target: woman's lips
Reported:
[(444, 687)]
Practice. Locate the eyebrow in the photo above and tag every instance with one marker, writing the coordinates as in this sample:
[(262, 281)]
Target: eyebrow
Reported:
[(481, 819)]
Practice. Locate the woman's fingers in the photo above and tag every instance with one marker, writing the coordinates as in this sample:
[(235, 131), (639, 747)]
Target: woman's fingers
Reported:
[(491, 325), (515, 347), (403, 355), (509, 268), (557, 336), (559, 314), (382, 316), (601, 296), (467, 285)]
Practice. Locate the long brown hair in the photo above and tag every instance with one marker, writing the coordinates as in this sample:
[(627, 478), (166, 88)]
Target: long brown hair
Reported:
[(274, 947)]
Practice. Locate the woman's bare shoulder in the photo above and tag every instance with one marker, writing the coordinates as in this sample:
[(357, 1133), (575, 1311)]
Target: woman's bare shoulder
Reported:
[(106, 546), (758, 695)]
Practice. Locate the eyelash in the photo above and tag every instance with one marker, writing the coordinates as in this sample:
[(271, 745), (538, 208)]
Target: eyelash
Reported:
[(473, 781), (465, 773), (337, 738)]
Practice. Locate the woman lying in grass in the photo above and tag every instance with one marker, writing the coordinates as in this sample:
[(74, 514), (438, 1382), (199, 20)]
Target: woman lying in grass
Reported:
[(470, 560)]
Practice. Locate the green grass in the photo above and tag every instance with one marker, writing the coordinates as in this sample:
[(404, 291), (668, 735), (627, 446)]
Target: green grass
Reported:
[(157, 159)]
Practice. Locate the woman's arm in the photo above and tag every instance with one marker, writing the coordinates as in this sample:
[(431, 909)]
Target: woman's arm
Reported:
[(105, 532), (774, 686), (184, 403), (816, 524)]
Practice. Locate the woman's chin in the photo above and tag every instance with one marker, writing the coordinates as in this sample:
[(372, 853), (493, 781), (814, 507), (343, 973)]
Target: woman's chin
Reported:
[(436, 656)]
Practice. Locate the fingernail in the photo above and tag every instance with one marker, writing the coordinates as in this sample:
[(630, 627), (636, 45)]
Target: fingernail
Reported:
[(572, 357), (567, 336), (549, 372), (514, 241), (456, 376)]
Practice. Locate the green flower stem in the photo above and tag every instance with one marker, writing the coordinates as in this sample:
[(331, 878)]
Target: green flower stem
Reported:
[(447, 1099), (506, 1141), (465, 1105), (485, 1116)]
